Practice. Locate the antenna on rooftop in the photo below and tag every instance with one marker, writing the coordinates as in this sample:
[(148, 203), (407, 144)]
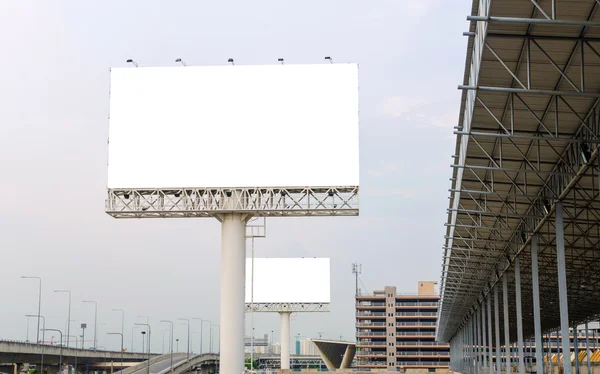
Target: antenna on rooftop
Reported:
[(356, 270)]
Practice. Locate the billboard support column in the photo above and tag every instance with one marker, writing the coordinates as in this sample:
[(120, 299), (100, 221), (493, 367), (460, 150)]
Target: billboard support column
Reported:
[(233, 269), (285, 340)]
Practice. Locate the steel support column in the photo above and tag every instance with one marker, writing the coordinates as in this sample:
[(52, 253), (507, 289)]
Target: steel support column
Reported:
[(587, 346), (490, 338), (506, 320), (537, 324), (519, 315), (576, 348), (497, 327), (483, 337), (562, 285)]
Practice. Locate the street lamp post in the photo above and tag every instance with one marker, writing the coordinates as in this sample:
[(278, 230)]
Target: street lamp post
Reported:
[(143, 341), (43, 335), (61, 344), (188, 335), (122, 322), (170, 341), (76, 351), (218, 339), (119, 333), (95, 320), (149, 334), (83, 327), (201, 335), (39, 313), (69, 316), (132, 335)]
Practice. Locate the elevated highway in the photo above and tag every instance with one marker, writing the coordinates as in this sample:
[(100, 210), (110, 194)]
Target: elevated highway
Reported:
[(162, 364), (20, 353)]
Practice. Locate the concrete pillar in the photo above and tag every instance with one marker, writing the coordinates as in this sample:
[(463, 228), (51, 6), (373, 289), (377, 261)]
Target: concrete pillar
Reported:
[(285, 340), (506, 321), (233, 269), (562, 285), (497, 326), (537, 324), (519, 316)]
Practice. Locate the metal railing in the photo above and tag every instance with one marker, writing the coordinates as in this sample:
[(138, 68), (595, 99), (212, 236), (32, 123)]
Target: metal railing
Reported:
[(423, 363), (370, 333), (371, 353), (420, 314), (416, 333), (370, 313), (372, 363), (370, 303), (369, 323), (415, 323), (367, 343), (421, 343)]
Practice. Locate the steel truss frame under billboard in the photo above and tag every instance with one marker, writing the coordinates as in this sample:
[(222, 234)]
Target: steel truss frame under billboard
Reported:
[(209, 202), (524, 214), (287, 307)]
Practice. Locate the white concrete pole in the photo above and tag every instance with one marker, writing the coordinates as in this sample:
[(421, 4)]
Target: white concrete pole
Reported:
[(233, 269), (285, 340)]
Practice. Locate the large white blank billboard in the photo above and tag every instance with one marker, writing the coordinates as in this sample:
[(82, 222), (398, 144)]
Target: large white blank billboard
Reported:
[(288, 280), (234, 126)]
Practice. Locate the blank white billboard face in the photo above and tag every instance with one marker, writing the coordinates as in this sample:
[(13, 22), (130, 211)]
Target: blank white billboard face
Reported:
[(234, 126), (288, 280)]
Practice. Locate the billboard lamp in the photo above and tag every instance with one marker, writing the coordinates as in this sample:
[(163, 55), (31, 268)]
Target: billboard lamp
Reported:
[(130, 61), (280, 60), (329, 58), (181, 62), (230, 61)]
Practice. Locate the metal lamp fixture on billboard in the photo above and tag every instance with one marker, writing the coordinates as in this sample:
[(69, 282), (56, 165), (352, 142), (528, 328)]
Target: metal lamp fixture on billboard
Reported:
[(180, 142), (286, 285)]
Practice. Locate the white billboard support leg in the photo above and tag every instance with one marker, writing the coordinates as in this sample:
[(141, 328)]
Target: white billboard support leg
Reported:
[(285, 340), (233, 269)]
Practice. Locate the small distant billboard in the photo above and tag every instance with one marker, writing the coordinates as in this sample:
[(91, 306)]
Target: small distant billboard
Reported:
[(234, 126), (288, 281)]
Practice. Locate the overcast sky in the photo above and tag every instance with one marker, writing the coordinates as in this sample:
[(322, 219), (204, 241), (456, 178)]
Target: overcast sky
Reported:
[(54, 81)]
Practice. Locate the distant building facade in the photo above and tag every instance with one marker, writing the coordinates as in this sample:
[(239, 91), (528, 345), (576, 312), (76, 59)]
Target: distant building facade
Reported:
[(396, 331)]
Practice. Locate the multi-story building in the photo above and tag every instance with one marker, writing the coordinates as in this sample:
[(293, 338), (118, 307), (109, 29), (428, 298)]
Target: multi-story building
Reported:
[(396, 331)]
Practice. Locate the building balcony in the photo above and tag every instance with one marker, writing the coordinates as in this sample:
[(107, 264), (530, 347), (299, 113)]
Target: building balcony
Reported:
[(419, 354), (416, 324), (368, 313), (372, 364), (370, 333), (415, 333), (361, 343), (370, 303), (370, 324), (423, 364), (422, 344), (417, 314), (371, 354), (419, 304)]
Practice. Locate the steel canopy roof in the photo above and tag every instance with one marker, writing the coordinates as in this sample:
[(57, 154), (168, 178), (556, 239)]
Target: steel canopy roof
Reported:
[(527, 138)]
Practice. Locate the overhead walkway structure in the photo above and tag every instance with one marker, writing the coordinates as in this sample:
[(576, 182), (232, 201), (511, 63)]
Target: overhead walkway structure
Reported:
[(522, 246)]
